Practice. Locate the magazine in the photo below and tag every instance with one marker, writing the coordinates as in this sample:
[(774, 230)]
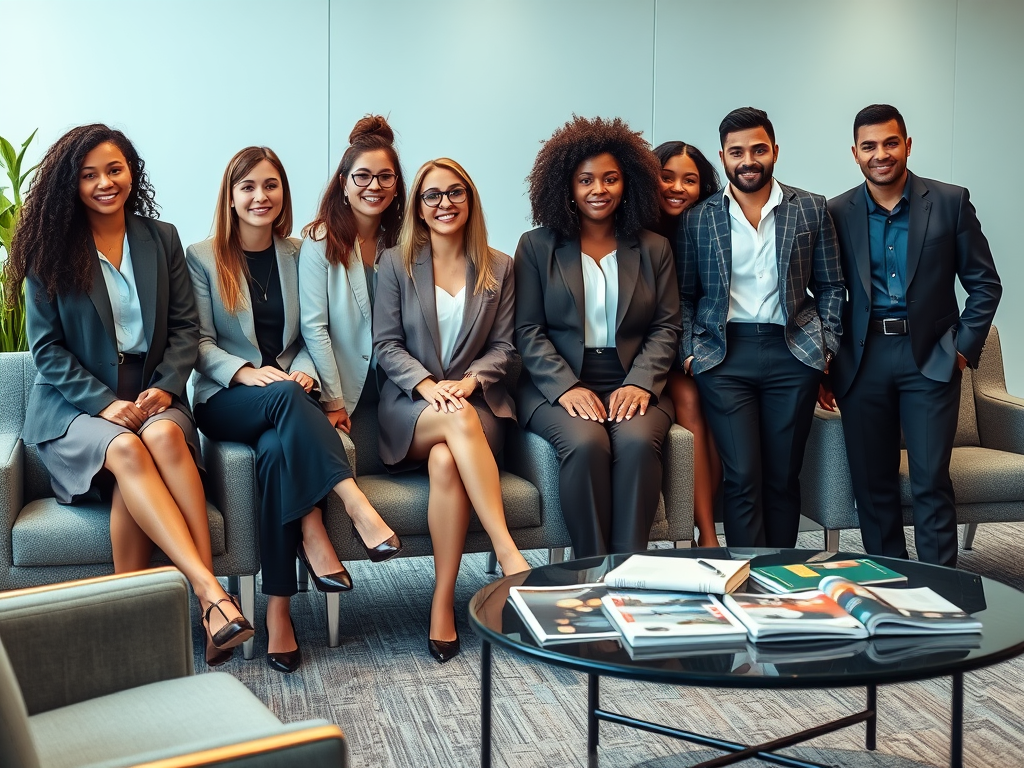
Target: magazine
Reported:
[(563, 614), (803, 616), (670, 618), (803, 576), (679, 574)]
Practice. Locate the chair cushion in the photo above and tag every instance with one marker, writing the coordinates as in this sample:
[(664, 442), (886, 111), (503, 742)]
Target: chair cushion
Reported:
[(47, 534), (401, 500), (151, 722), (980, 475), (16, 747)]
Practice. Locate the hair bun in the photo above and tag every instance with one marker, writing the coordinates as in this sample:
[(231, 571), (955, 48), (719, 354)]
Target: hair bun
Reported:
[(372, 125)]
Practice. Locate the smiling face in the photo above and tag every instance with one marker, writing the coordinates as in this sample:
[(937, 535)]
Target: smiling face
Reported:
[(448, 218), (104, 181), (257, 199), (370, 202), (597, 187), (679, 185), (749, 157), (882, 152)]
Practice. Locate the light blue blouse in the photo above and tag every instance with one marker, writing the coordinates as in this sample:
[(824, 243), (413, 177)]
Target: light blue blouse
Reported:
[(124, 303)]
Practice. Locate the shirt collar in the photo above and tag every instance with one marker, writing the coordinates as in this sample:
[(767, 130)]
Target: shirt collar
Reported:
[(774, 198), (874, 207)]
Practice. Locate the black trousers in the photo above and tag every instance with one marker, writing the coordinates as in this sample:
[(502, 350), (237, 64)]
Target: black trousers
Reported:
[(609, 475), (890, 392), (299, 459), (759, 402)]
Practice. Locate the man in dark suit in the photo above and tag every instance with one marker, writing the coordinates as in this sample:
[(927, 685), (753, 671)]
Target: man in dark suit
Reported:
[(754, 339), (904, 241)]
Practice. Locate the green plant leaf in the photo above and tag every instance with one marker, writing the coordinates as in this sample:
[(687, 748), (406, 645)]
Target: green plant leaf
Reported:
[(26, 174), (8, 157)]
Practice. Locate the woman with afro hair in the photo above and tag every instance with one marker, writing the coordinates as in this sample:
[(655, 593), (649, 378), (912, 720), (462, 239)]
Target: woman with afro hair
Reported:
[(114, 332), (597, 321)]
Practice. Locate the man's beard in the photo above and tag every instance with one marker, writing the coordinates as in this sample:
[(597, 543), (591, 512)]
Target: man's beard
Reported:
[(751, 186)]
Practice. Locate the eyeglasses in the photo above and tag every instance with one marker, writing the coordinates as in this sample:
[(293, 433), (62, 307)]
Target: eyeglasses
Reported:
[(433, 199), (363, 179)]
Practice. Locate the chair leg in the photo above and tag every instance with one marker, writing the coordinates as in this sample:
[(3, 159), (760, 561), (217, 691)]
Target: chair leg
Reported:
[(492, 564), (684, 544), (333, 619), (247, 596), (556, 555), (302, 576), (831, 539), (969, 530), (232, 585)]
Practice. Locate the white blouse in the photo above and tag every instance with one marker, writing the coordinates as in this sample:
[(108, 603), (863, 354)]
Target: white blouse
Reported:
[(600, 300), (450, 310)]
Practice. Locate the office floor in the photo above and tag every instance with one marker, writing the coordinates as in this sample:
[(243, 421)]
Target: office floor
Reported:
[(400, 708)]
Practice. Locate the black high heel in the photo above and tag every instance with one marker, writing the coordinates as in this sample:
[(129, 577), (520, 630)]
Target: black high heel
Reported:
[(235, 632), (443, 650), (218, 656), (387, 549), (285, 661), (340, 581)]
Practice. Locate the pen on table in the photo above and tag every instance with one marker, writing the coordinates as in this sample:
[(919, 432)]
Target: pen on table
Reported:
[(709, 566)]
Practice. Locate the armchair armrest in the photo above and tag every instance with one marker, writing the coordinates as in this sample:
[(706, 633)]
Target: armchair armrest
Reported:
[(12, 495), (826, 489), (677, 483), (73, 642), (305, 744), (231, 484), (1000, 421)]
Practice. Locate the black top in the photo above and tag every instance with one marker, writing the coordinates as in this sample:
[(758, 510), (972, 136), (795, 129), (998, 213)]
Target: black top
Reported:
[(267, 303), (793, 665)]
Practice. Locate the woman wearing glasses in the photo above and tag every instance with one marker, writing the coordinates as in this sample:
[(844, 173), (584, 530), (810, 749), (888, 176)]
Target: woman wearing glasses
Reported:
[(442, 332), (254, 383), (597, 319)]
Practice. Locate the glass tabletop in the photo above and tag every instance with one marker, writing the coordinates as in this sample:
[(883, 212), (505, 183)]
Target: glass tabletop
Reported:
[(889, 659)]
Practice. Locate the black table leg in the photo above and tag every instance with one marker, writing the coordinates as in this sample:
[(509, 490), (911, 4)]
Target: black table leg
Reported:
[(956, 741), (593, 724), (485, 705), (871, 723)]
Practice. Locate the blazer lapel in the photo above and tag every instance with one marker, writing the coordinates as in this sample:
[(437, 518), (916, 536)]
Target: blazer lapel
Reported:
[(628, 257), (785, 229), (857, 226), (100, 299), (920, 210), (143, 255), (721, 237), (360, 290), (244, 314), (474, 305), (568, 256), (423, 282), (288, 269)]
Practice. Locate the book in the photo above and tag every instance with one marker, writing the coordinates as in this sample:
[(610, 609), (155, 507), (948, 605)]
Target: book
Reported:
[(799, 577), (563, 614), (648, 619), (802, 616), (679, 574)]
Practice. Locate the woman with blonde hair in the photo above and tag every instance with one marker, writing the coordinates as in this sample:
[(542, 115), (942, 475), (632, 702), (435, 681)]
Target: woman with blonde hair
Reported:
[(442, 333), (255, 383)]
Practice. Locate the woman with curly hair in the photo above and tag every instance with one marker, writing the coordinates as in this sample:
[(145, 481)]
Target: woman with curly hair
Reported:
[(255, 384), (112, 324), (687, 178), (442, 332), (597, 320)]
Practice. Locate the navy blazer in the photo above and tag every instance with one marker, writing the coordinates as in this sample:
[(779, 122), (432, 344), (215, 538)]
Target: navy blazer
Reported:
[(945, 242), (73, 342)]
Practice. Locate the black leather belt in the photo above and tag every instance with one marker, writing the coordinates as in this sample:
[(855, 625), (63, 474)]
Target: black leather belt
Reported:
[(123, 358), (890, 326)]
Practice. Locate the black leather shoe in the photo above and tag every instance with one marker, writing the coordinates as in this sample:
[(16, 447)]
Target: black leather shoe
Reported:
[(443, 650), (214, 656), (286, 661), (235, 632), (387, 549), (332, 582)]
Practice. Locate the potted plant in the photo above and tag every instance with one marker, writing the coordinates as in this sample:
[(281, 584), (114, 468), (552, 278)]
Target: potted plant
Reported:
[(12, 319)]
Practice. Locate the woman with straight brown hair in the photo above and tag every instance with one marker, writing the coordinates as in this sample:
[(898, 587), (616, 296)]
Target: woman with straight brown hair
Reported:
[(442, 332), (255, 383)]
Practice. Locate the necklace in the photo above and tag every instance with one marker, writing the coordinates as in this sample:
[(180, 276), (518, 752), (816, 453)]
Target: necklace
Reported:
[(263, 289), (108, 248)]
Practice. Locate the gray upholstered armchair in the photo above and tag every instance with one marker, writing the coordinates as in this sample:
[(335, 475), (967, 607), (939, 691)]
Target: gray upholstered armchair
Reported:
[(42, 542), (987, 467), (99, 673)]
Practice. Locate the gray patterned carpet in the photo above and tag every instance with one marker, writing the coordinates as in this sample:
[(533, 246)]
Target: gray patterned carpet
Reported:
[(400, 708)]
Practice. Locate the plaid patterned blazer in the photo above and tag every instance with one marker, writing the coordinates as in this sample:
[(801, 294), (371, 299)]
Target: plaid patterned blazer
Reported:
[(809, 272)]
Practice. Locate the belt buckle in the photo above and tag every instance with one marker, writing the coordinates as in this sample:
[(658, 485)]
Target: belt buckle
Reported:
[(901, 326), (120, 358)]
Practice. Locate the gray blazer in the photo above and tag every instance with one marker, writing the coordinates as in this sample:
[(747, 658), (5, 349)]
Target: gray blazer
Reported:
[(228, 342), (550, 314), (407, 341), (73, 342), (808, 259)]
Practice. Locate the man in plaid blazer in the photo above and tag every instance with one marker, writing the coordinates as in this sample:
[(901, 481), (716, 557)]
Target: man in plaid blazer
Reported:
[(762, 294)]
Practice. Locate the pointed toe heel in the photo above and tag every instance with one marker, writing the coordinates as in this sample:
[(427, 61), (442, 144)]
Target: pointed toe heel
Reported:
[(340, 581), (443, 650), (387, 549)]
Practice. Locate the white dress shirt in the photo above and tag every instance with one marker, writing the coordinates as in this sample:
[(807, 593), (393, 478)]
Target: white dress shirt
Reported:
[(754, 289), (450, 310), (124, 302), (600, 300)]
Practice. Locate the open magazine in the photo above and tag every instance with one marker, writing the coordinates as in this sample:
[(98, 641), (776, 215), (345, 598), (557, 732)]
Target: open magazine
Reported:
[(670, 619)]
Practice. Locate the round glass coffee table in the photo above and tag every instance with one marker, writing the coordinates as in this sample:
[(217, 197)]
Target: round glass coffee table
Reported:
[(861, 663)]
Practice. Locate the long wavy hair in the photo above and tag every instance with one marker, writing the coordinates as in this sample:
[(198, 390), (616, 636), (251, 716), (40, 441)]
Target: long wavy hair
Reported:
[(53, 242), (415, 233), (335, 223), (232, 268)]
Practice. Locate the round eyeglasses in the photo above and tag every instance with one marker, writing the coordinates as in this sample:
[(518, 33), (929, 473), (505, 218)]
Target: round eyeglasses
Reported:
[(386, 179), (433, 199)]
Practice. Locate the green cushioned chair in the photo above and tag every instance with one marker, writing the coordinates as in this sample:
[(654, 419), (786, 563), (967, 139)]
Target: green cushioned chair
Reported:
[(99, 673)]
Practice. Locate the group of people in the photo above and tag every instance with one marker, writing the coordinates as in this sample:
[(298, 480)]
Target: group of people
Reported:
[(647, 295)]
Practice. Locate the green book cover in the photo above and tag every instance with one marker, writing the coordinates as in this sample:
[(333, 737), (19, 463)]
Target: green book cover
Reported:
[(800, 576)]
